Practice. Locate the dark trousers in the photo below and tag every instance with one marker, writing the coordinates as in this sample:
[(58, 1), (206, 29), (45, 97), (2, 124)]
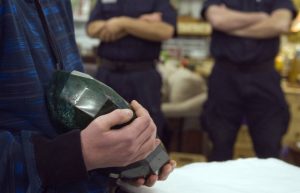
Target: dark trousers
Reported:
[(143, 85), (237, 95)]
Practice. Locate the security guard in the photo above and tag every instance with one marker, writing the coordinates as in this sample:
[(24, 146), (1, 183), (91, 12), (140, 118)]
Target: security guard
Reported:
[(244, 85), (131, 33)]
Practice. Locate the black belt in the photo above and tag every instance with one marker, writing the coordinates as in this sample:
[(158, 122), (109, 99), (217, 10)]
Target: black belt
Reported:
[(242, 67), (126, 66)]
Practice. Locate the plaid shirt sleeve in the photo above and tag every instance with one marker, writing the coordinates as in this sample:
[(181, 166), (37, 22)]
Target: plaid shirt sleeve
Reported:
[(26, 66)]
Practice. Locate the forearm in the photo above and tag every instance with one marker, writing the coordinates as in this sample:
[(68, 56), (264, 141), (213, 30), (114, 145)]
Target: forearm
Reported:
[(154, 31), (227, 20), (94, 28), (278, 23)]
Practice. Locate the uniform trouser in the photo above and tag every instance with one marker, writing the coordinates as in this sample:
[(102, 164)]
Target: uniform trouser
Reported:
[(141, 85), (242, 95)]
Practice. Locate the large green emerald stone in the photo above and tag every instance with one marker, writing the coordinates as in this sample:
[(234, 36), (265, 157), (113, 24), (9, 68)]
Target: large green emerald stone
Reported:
[(75, 99)]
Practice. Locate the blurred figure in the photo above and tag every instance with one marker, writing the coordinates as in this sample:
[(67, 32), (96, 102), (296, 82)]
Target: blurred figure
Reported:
[(244, 83), (131, 33)]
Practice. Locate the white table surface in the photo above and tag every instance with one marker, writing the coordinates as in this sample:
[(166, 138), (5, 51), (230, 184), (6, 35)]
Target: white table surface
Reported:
[(250, 175)]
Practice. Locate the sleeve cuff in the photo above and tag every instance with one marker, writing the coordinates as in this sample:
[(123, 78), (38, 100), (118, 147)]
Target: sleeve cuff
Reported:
[(59, 160)]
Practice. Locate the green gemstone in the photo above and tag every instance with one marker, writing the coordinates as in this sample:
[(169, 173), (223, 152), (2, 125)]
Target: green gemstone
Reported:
[(75, 99)]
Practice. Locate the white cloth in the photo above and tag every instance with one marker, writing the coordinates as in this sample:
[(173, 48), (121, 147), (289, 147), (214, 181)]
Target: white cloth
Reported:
[(250, 175), (185, 93)]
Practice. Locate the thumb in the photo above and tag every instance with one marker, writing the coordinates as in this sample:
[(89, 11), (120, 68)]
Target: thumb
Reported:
[(116, 117)]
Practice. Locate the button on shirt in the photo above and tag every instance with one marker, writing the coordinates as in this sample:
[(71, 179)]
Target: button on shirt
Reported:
[(130, 48), (242, 50)]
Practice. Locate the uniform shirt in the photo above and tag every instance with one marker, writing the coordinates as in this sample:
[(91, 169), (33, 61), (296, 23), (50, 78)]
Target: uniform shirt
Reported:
[(242, 50), (130, 48), (26, 67)]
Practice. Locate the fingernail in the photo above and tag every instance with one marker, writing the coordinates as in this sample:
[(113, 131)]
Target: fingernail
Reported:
[(157, 141), (128, 112), (134, 101), (175, 164)]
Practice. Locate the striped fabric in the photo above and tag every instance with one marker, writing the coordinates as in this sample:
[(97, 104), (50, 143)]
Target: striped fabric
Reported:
[(26, 66)]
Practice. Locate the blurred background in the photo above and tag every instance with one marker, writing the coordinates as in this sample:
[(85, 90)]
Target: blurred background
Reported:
[(181, 103)]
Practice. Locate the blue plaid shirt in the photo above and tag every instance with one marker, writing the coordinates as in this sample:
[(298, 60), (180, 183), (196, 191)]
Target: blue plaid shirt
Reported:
[(26, 66)]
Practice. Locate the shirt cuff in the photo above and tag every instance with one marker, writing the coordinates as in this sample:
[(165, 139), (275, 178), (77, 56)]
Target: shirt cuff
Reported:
[(59, 160)]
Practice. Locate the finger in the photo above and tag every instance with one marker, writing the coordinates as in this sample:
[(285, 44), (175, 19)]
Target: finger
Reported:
[(150, 181), (102, 34), (139, 109), (109, 36), (112, 37), (138, 182), (141, 123), (158, 14), (166, 170), (105, 35), (173, 163), (117, 117), (142, 17), (146, 149), (140, 144), (148, 134)]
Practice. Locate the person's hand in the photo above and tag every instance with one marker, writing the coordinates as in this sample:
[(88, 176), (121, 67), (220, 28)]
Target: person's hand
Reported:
[(113, 30), (156, 16), (263, 15), (94, 28), (111, 37), (103, 147), (105, 35), (150, 181)]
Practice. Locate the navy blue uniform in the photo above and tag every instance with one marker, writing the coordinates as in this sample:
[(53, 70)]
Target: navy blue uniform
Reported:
[(136, 78), (245, 86)]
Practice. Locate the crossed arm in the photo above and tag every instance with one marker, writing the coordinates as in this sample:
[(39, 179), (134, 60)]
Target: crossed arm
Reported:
[(251, 24), (148, 26)]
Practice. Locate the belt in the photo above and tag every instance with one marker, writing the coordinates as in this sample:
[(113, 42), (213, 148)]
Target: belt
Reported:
[(126, 66), (255, 67)]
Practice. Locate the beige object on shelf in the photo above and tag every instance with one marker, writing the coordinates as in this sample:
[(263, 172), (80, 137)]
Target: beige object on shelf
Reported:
[(290, 88), (194, 27), (187, 93)]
